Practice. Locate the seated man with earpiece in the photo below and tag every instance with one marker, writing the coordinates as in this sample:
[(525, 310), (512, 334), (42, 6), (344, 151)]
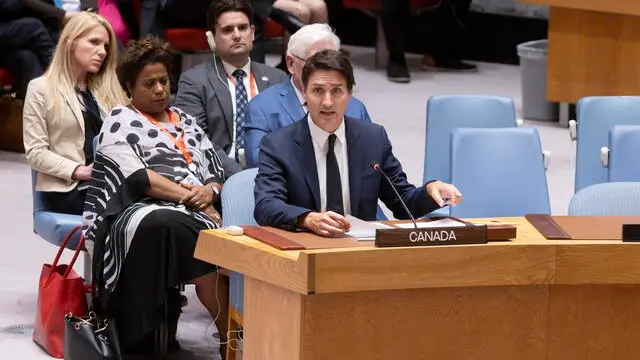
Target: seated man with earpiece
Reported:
[(217, 92)]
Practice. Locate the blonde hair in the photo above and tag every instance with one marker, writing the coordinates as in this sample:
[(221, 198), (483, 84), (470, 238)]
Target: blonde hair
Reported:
[(60, 74)]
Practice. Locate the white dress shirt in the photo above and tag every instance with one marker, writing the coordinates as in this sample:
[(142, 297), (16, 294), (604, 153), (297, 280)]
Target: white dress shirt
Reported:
[(229, 69), (300, 96), (320, 148)]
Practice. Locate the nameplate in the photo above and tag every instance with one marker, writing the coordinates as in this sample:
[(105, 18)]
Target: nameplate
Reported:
[(463, 235)]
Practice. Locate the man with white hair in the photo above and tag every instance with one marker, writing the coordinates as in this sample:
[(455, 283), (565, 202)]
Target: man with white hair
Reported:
[(284, 104)]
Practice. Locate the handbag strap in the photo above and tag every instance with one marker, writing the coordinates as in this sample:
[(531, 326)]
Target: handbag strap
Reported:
[(63, 245)]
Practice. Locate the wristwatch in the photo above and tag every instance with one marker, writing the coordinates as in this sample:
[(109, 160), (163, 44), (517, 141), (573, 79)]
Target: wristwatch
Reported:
[(215, 190)]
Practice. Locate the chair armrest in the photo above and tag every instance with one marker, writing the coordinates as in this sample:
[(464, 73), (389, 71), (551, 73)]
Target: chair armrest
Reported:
[(573, 130), (604, 156)]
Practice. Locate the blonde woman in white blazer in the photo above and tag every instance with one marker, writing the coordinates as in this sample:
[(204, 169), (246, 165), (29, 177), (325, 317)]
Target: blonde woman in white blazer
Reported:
[(64, 108)]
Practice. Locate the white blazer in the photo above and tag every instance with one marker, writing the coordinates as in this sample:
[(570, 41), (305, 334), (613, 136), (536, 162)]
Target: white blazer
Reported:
[(53, 145)]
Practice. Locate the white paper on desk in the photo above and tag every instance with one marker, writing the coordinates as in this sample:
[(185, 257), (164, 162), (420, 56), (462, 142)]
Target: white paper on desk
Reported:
[(364, 230), (432, 224)]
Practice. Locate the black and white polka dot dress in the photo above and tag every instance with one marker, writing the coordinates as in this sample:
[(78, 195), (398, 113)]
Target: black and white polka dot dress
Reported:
[(142, 246)]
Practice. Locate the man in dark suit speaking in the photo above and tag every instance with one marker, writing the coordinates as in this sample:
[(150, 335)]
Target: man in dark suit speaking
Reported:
[(315, 171)]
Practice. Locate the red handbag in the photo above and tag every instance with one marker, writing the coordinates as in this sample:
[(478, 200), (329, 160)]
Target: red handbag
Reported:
[(60, 291)]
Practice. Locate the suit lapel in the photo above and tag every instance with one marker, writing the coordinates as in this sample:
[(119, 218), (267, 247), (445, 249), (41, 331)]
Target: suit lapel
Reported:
[(262, 80), (74, 105), (222, 91), (307, 159), (356, 163), (290, 102)]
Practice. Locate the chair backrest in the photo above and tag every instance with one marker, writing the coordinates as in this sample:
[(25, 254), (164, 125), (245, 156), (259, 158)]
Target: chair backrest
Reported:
[(238, 200), (596, 116), (500, 172), (607, 199), (238, 203), (448, 112), (624, 147), (38, 203)]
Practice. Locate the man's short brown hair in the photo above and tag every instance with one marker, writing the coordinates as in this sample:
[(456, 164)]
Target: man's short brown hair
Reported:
[(329, 60), (219, 7)]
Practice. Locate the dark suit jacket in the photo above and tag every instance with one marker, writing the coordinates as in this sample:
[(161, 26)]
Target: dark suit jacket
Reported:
[(287, 181), (278, 107), (262, 8), (203, 94)]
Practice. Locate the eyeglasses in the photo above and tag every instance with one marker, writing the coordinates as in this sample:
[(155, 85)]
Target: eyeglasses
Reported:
[(299, 58)]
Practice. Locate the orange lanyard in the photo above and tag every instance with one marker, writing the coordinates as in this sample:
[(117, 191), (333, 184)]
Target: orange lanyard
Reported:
[(179, 142), (252, 84)]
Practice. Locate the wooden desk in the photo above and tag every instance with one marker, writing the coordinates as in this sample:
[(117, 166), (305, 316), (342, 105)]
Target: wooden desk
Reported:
[(594, 47), (529, 298)]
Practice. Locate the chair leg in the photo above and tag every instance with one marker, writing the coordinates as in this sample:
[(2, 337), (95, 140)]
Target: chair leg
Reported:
[(87, 268), (232, 340), (162, 335)]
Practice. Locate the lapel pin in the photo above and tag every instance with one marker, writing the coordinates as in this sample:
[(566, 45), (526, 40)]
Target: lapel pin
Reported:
[(264, 78)]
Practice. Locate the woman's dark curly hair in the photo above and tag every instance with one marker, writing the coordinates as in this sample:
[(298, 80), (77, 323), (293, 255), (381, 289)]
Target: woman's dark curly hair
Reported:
[(138, 54)]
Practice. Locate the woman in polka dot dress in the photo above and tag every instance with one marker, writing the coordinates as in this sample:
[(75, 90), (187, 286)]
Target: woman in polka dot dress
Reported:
[(156, 178)]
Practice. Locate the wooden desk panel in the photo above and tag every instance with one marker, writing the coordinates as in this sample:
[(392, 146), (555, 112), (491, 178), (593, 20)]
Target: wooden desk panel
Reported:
[(594, 322), (629, 7), (592, 54), (594, 47), (529, 298), (480, 323), (433, 267), (287, 269)]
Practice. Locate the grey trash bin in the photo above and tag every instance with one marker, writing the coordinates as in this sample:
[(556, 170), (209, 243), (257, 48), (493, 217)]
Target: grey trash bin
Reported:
[(533, 72)]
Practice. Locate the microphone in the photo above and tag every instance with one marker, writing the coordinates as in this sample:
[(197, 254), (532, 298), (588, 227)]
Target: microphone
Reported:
[(375, 166)]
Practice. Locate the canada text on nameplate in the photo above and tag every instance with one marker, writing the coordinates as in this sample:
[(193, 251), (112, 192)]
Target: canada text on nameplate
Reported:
[(471, 234)]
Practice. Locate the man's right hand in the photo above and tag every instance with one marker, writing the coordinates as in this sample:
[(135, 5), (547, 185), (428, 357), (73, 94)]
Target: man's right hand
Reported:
[(82, 173), (325, 224)]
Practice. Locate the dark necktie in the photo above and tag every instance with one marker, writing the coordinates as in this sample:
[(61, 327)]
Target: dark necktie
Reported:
[(334, 186), (241, 110)]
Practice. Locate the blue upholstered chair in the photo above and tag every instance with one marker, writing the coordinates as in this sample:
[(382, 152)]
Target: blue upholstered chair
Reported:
[(51, 226), (621, 157), (238, 203), (596, 116), (500, 172), (607, 199), (54, 227), (446, 113)]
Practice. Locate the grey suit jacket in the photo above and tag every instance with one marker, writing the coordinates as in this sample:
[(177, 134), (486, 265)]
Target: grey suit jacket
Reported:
[(202, 93)]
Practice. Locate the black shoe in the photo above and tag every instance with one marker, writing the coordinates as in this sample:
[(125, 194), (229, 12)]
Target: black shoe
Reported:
[(146, 346), (398, 72), (451, 65)]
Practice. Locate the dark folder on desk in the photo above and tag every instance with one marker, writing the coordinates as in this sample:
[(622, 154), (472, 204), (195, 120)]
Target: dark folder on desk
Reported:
[(287, 240), (581, 227)]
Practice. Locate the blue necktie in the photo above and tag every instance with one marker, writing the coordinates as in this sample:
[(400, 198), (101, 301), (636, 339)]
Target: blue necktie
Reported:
[(241, 110)]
